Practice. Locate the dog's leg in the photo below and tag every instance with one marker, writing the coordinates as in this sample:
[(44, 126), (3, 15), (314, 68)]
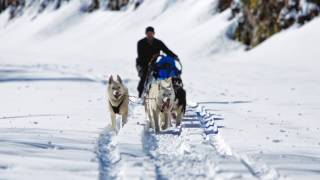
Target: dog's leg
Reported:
[(124, 118), (179, 116), (168, 119), (156, 121), (149, 115), (151, 120), (152, 123), (113, 121), (163, 121)]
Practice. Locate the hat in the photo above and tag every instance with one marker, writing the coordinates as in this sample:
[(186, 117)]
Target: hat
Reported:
[(149, 29)]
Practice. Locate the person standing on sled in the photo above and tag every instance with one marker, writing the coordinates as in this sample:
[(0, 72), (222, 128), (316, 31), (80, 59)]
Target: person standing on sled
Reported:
[(148, 48)]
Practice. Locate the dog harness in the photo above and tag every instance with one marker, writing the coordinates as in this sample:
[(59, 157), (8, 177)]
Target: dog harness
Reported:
[(164, 105), (116, 109)]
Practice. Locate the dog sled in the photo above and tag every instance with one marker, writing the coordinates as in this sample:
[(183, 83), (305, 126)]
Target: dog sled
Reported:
[(163, 67), (164, 96)]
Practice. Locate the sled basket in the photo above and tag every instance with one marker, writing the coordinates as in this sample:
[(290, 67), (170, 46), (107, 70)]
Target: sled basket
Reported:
[(165, 67)]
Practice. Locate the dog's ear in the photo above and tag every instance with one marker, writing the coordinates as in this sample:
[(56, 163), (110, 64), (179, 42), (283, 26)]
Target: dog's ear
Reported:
[(110, 79), (119, 79), (169, 81)]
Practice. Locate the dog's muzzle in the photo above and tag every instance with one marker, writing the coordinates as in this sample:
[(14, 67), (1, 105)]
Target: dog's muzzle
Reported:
[(116, 94)]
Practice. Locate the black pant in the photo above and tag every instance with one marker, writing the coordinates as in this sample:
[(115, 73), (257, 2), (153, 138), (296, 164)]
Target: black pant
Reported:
[(144, 71), (142, 81)]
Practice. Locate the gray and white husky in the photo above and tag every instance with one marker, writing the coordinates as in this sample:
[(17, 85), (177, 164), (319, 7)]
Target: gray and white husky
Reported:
[(159, 101), (118, 100)]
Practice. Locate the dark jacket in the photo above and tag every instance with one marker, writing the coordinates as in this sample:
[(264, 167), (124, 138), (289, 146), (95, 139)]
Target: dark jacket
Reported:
[(146, 51)]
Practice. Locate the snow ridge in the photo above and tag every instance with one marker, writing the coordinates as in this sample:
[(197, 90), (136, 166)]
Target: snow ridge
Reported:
[(257, 169)]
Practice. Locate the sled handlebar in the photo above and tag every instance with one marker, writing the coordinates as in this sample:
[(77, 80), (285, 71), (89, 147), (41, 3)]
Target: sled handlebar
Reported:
[(179, 64)]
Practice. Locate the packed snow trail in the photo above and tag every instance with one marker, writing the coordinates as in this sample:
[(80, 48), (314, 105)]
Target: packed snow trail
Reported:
[(190, 155), (195, 151), (123, 156)]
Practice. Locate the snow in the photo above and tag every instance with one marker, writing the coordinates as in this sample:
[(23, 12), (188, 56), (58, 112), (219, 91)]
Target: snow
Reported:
[(255, 114), (53, 134)]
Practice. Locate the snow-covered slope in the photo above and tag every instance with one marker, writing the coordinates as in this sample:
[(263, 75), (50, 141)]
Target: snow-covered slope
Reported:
[(53, 69)]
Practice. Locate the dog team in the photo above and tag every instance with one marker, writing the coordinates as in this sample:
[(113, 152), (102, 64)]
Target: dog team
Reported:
[(160, 86)]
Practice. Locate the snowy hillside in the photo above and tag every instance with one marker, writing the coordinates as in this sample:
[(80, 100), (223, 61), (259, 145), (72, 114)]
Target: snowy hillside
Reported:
[(251, 114)]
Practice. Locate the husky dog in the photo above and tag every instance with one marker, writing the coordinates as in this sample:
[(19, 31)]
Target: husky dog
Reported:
[(159, 102), (180, 102), (118, 100)]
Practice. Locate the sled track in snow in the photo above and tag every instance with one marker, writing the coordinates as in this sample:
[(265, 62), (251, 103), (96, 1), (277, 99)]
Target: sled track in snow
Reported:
[(196, 151)]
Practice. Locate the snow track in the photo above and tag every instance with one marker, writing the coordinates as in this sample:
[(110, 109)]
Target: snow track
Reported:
[(123, 156), (191, 155), (196, 151)]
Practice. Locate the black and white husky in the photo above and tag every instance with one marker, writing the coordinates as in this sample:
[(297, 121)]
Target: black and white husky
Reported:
[(180, 102)]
